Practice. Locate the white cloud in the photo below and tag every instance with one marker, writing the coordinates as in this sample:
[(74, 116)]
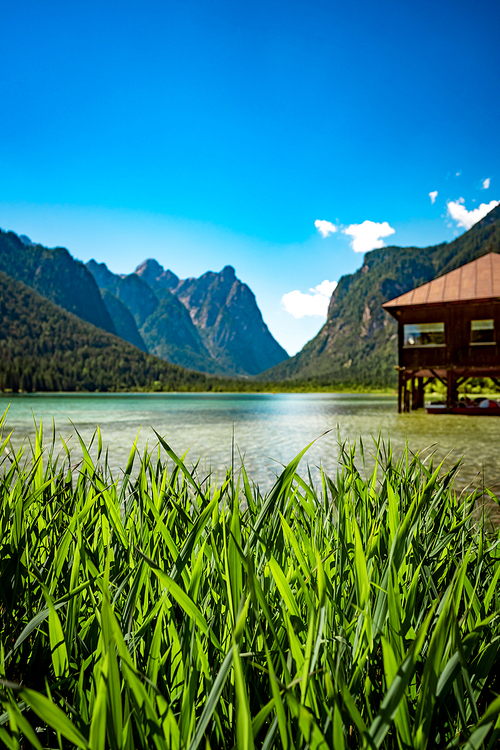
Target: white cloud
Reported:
[(325, 227), (486, 183), (326, 288), (433, 195), (367, 235), (467, 219), (315, 302)]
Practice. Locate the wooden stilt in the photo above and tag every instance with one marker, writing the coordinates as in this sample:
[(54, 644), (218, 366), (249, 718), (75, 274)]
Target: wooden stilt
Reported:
[(450, 388), (419, 394), (414, 394), (407, 396)]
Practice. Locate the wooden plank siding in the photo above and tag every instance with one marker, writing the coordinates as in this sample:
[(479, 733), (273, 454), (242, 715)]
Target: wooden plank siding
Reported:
[(458, 350)]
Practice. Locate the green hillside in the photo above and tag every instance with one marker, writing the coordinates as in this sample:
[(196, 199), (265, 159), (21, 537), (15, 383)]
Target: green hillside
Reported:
[(358, 343), (45, 348), (55, 274), (169, 333)]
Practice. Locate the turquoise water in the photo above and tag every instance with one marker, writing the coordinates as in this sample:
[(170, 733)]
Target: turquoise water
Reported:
[(269, 429)]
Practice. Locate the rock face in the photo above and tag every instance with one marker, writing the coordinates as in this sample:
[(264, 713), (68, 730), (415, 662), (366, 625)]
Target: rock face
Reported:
[(226, 315), (56, 275), (211, 324), (358, 342)]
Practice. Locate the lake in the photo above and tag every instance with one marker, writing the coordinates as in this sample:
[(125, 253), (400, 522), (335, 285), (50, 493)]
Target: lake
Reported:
[(269, 429)]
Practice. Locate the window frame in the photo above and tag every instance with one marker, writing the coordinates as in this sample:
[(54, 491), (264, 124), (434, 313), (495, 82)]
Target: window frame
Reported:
[(483, 328), (430, 327)]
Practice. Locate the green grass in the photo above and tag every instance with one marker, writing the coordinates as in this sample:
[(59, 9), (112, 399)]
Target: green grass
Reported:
[(160, 609)]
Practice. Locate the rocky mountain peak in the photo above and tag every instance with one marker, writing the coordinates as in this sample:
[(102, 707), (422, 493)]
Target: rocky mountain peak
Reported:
[(105, 278), (149, 266), (210, 323), (228, 273), (155, 275)]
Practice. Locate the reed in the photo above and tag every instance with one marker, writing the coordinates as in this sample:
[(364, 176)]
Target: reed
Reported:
[(166, 611)]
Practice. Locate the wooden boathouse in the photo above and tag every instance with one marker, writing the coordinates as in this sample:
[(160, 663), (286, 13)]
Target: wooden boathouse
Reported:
[(449, 329)]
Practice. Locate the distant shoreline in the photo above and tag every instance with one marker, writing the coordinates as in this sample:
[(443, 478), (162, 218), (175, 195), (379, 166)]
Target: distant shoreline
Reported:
[(238, 387)]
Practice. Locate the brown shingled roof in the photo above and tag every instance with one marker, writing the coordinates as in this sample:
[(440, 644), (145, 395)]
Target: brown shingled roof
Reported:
[(477, 280)]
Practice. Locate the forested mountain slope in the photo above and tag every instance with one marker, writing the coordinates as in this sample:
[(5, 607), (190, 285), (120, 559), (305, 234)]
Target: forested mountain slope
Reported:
[(56, 275), (45, 348), (358, 341)]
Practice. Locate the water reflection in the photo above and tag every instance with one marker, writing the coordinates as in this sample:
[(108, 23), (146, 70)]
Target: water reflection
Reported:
[(269, 429)]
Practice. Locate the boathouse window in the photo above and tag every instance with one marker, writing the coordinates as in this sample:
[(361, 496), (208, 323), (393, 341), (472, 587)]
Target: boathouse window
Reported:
[(423, 334), (482, 332)]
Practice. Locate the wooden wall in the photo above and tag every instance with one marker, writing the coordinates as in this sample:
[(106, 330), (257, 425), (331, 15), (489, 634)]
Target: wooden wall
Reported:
[(458, 350)]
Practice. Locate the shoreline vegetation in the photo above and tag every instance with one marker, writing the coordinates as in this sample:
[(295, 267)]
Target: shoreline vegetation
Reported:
[(216, 385), (165, 609), (211, 384)]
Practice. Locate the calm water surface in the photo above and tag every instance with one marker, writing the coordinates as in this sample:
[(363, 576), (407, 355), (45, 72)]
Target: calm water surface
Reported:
[(269, 429)]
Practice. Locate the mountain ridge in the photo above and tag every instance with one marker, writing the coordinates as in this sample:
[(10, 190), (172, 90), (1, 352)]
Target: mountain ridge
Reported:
[(56, 275), (211, 323), (220, 332)]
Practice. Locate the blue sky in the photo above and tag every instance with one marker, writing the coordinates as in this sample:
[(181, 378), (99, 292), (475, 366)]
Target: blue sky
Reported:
[(212, 133)]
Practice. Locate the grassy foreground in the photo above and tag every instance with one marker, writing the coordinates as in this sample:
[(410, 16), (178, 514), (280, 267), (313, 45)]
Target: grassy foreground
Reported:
[(164, 611)]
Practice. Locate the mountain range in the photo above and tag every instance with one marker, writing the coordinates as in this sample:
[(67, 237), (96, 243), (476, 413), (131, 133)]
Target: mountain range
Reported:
[(66, 325), (211, 324), (45, 348), (358, 343)]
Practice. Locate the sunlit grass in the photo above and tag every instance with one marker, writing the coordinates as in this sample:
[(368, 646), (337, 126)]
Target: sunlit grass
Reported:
[(172, 611)]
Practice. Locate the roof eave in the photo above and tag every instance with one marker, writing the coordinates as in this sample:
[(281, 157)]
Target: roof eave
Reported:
[(389, 306)]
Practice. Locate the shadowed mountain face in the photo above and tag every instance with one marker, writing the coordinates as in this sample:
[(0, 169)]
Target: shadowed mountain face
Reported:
[(211, 324), (138, 296), (170, 334), (104, 278), (123, 320), (57, 276), (358, 342)]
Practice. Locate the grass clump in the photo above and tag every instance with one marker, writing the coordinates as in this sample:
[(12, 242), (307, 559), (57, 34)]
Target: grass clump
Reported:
[(164, 611)]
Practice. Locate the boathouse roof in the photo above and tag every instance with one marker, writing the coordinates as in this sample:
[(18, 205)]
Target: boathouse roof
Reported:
[(477, 280)]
